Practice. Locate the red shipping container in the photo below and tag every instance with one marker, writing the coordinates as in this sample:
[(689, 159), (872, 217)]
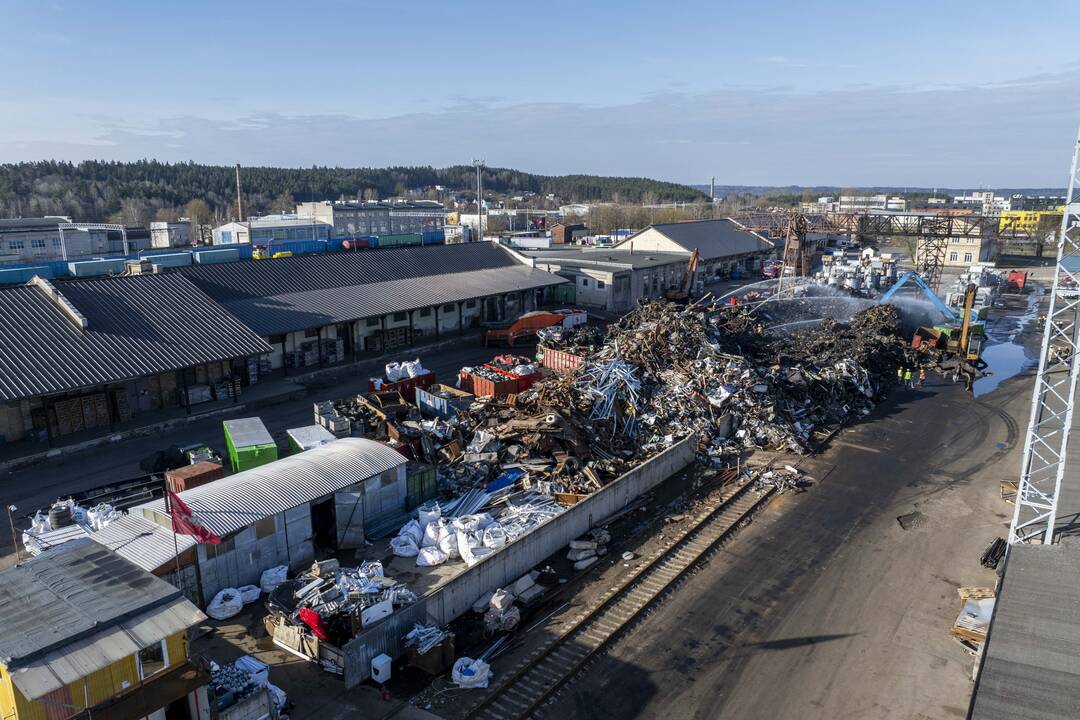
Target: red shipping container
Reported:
[(192, 476), (560, 360), (406, 387)]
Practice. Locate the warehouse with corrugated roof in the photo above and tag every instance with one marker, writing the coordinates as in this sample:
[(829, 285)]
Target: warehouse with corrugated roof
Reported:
[(89, 355), (326, 308)]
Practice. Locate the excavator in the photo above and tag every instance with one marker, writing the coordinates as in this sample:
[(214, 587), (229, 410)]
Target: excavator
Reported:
[(681, 294), (960, 348)]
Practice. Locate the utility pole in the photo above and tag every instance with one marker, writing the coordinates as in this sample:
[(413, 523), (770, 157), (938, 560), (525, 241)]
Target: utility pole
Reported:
[(239, 206), (479, 199)]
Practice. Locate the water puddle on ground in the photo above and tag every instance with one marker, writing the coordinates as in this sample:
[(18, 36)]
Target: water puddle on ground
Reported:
[(1005, 361), (1007, 357)]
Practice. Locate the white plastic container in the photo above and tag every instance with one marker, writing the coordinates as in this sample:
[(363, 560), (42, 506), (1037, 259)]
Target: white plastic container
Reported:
[(380, 668)]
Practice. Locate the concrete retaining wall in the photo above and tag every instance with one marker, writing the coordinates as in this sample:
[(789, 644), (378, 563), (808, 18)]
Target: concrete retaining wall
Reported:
[(448, 602), (520, 556)]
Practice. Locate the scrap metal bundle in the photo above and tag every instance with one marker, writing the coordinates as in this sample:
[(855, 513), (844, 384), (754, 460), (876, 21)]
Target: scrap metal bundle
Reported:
[(580, 340), (330, 601)]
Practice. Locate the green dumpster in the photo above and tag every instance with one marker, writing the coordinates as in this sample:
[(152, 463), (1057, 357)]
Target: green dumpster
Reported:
[(249, 443)]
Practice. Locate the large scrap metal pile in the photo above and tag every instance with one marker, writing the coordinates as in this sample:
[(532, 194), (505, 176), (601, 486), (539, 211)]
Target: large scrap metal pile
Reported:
[(663, 372)]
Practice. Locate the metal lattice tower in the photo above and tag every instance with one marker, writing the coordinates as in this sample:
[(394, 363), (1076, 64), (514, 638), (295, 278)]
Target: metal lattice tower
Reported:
[(1044, 463)]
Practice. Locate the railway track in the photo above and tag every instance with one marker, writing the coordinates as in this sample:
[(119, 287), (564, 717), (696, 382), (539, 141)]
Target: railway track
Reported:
[(546, 670)]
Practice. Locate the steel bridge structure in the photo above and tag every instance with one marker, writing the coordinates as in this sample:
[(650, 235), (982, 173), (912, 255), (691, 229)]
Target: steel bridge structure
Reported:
[(934, 231)]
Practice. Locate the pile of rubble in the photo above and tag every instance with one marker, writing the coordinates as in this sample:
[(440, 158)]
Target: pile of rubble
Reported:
[(580, 340), (662, 373)]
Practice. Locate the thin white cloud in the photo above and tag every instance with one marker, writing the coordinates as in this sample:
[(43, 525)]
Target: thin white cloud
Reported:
[(1012, 134)]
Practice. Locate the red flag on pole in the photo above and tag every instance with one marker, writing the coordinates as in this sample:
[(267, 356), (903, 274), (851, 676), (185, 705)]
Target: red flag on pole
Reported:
[(183, 521)]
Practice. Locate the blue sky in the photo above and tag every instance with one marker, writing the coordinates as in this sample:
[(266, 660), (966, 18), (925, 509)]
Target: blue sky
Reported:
[(772, 92)]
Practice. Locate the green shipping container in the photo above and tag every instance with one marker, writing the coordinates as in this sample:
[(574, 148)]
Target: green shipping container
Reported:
[(421, 484), (402, 239), (249, 443)]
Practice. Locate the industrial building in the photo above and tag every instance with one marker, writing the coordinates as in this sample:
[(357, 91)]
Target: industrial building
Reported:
[(271, 229), (724, 245), (28, 240), (613, 280), (171, 234), (327, 308), (87, 355), (352, 220), (86, 633), (279, 513)]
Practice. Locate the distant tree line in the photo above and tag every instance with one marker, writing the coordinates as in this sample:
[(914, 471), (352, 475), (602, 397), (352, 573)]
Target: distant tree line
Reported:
[(136, 193)]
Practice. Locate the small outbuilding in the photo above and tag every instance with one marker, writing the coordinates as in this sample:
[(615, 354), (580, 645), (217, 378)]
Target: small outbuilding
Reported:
[(282, 512)]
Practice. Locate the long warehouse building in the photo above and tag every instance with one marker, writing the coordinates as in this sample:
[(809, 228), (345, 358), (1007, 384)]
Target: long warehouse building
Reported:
[(82, 358)]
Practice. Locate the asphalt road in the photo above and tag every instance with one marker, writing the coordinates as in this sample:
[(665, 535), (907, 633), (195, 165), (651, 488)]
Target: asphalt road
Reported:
[(825, 607)]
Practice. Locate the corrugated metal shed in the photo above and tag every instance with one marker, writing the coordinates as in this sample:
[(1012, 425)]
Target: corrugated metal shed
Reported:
[(69, 594), (314, 290), (137, 326), (239, 500), (141, 542)]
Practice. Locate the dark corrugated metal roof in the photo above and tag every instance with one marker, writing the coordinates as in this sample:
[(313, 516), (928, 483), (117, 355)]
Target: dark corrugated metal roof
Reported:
[(712, 238), (318, 271), (279, 296), (137, 326), (74, 591), (1030, 667)]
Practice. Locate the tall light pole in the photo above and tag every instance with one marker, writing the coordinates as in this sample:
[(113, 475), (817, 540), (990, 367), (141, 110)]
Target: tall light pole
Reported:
[(479, 199)]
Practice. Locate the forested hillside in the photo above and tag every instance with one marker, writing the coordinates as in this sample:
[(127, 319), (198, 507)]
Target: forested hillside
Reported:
[(137, 192)]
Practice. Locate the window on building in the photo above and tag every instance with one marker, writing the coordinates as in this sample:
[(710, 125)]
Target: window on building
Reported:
[(56, 243), (152, 659), (311, 333), (264, 527), (226, 236), (449, 307), (276, 339), (16, 244), (37, 242), (952, 257), (425, 312), (967, 257), (373, 322), (470, 304), (600, 284), (584, 282), (401, 317)]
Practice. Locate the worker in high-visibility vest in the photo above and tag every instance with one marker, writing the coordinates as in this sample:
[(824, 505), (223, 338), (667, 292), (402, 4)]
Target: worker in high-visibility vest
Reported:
[(922, 376), (900, 374), (907, 378)]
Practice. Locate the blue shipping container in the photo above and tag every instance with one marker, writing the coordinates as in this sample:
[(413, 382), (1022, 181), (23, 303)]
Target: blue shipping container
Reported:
[(207, 257), (94, 268), (169, 260)]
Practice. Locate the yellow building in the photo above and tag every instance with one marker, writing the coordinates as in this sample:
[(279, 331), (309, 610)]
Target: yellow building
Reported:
[(1029, 221), (82, 629)]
